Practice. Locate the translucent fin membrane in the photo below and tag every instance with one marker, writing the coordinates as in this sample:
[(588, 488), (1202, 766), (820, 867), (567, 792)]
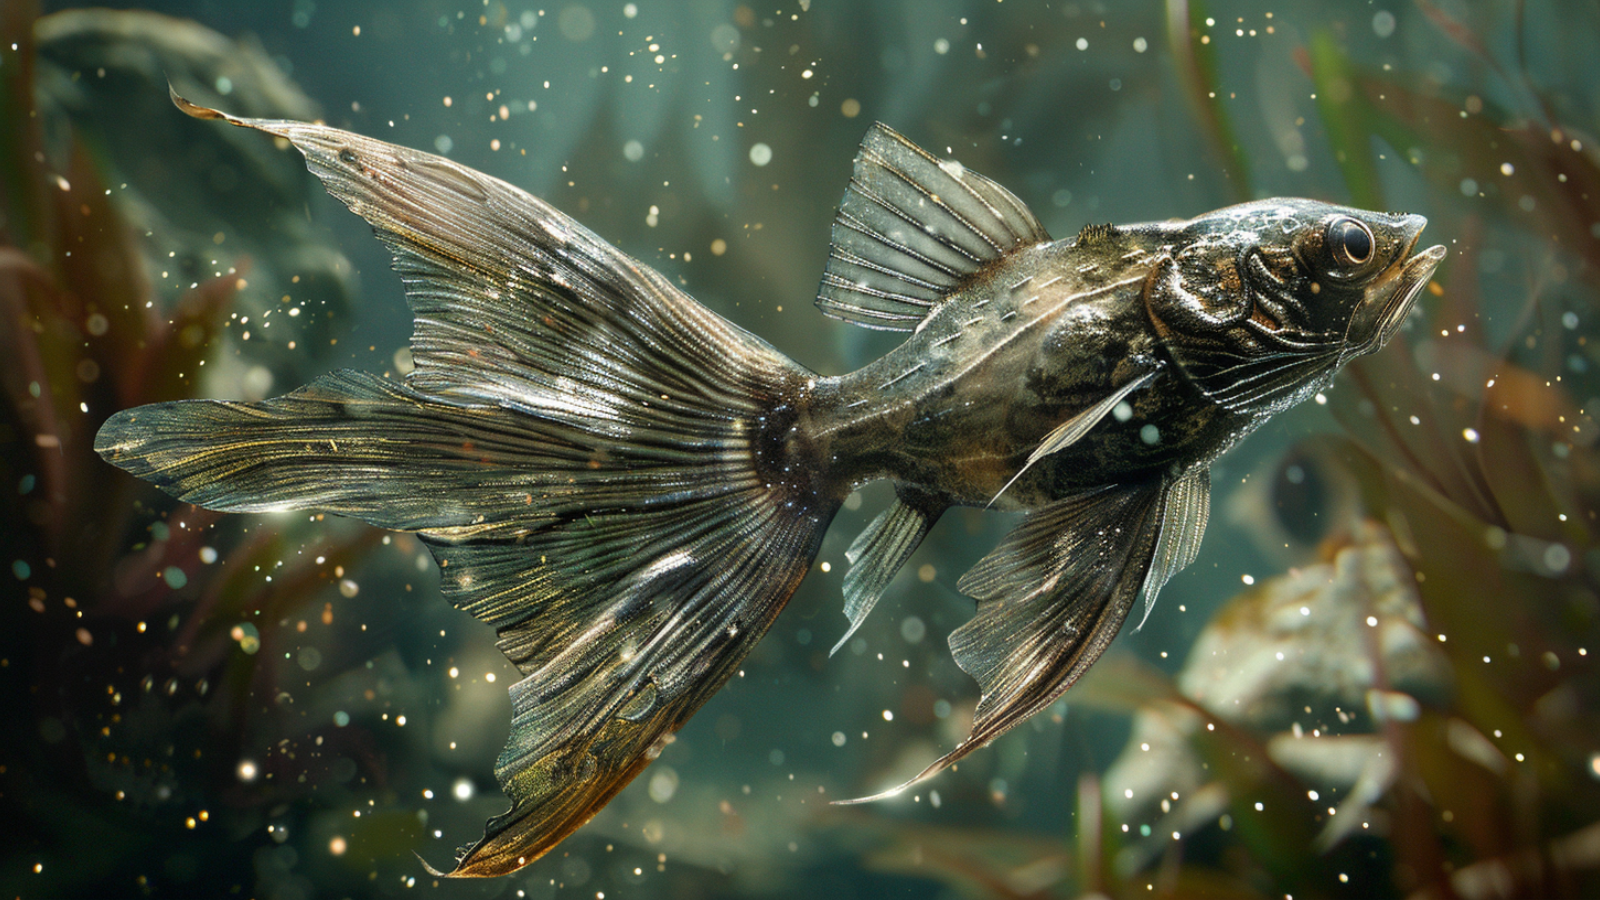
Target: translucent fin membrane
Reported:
[(911, 229)]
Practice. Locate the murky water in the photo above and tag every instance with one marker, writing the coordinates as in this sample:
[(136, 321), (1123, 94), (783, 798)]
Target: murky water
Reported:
[(280, 707)]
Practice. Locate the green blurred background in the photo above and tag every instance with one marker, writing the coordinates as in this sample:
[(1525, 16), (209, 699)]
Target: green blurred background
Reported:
[(1401, 701)]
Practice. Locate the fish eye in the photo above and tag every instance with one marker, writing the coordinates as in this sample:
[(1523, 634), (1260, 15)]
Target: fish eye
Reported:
[(1349, 241)]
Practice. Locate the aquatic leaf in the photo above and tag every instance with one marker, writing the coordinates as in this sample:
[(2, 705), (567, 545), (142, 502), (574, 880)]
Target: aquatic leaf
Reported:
[(1343, 120), (1197, 75)]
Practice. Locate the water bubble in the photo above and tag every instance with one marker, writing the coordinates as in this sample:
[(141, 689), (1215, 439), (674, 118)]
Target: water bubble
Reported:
[(913, 629), (760, 154), (663, 784), (576, 23), (633, 151), (462, 789), (725, 38), (1557, 558), (1383, 23), (443, 143), (174, 577), (248, 638)]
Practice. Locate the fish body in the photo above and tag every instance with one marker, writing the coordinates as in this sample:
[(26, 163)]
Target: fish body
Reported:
[(960, 405), (628, 488)]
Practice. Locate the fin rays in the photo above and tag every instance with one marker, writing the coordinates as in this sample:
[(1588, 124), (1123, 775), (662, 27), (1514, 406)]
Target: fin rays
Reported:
[(910, 230)]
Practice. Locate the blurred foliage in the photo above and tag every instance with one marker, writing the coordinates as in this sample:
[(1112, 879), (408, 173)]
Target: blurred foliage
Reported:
[(144, 633), (143, 676)]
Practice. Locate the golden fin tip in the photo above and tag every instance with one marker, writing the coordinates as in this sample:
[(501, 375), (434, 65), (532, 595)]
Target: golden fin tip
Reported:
[(191, 108)]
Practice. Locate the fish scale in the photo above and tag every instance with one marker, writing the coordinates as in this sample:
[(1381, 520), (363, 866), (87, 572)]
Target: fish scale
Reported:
[(629, 488)]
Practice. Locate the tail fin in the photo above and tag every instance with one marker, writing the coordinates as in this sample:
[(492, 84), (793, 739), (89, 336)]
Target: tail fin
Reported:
[(578, 445)]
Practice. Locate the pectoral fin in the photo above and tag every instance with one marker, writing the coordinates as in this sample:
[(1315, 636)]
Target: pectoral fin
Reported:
[(1070, 431), (1055, 592)]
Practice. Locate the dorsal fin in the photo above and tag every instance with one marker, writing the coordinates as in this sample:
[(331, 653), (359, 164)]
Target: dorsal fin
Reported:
[(1093, 234), (910, 229)]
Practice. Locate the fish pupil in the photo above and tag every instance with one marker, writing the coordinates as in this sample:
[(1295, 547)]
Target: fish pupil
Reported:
[(1351, 242)]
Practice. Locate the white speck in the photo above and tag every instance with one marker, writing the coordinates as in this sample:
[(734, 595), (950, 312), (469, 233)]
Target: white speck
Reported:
[(760, 154), (442, 143), (888, 716), (633, 151), (838, 739), (1248, 579), (941, 46), (1140, 45), (462, 789), (1150, 434), (663, 784), (1083, 43), (1470, 434), (1383, 23), (1507, 168), (1469, 187)]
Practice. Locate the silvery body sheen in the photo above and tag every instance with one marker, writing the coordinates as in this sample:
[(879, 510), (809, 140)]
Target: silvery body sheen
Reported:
[(628, 488)]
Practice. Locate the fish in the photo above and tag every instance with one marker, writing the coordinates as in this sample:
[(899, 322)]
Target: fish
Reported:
[(628, 488)]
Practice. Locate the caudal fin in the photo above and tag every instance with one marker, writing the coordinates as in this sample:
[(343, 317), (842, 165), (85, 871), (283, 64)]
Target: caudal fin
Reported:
[(578, 445)]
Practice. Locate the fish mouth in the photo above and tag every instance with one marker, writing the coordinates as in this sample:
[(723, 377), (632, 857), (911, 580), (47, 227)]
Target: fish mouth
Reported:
[(1391, 296)]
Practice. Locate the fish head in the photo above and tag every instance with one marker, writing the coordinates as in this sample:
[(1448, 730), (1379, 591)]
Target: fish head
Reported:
[(1259, 304)]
